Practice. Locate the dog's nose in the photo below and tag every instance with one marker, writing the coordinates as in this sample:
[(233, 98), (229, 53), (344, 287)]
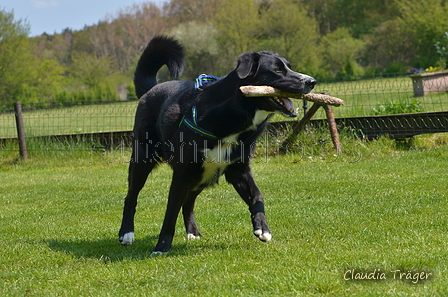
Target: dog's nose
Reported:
[(311, 82)]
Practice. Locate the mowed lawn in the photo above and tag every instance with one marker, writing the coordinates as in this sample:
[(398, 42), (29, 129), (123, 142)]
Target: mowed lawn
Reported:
[(385, 215)]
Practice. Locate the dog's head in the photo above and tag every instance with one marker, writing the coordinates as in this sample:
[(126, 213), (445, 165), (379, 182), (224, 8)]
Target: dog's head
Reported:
[(269, 69)]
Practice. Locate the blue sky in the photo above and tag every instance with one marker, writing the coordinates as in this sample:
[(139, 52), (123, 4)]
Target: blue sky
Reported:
[(53, 16)]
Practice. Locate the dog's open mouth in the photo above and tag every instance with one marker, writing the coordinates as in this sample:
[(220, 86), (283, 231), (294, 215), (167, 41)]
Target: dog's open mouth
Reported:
[(284, 106)]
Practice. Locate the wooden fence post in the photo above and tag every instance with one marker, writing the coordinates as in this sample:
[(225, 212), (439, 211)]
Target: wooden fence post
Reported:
[(307, 117), (20, 130), (333, 128)]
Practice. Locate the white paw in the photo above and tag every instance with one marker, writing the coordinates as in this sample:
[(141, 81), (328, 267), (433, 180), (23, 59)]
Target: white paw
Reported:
[(263, 236), (128, 238), (154, 254), (258, 232), (192, 236), (266, 237)]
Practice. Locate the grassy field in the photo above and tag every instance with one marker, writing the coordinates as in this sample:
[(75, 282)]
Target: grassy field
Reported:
[(332, 220), (361, 98)]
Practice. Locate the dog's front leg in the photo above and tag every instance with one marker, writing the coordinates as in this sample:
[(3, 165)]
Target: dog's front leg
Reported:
[(178, 193), (240, 176)]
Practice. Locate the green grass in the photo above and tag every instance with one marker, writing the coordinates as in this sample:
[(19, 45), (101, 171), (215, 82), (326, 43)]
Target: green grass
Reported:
[(361, 98), (384, 210)]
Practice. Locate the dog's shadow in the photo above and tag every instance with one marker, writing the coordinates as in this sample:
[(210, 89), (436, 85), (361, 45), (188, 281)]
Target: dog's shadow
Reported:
[(110, 250), (107, 249)]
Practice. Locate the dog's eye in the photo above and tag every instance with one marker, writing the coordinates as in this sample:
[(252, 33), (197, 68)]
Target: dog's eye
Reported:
[(278, 70)]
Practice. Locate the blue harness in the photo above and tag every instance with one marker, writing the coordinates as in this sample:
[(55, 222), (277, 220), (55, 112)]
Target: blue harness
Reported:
[(202, 80)]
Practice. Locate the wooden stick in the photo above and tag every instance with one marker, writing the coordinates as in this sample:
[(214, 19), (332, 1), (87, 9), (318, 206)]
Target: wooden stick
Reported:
[(260, 91)]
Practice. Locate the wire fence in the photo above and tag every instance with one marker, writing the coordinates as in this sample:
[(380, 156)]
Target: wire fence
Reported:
[(38, 121), (377, 96)]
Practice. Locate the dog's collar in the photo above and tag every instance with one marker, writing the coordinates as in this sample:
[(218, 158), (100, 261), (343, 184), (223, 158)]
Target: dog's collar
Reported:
[(193, 125)]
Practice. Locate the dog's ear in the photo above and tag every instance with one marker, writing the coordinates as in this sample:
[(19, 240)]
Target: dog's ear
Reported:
[(247, 64)]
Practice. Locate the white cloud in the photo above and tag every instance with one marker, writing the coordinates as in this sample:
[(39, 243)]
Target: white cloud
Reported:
[(45, 4)]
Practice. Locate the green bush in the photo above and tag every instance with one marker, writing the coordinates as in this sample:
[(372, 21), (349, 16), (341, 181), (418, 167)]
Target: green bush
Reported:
[(131, 91), (397, 107), (101, 93), (396, 67)]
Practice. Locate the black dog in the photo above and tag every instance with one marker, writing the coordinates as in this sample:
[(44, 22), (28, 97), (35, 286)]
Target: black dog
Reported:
[(202, 132)]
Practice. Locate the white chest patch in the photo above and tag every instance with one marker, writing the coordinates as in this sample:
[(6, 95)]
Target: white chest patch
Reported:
[(217, 159), (260, 116)]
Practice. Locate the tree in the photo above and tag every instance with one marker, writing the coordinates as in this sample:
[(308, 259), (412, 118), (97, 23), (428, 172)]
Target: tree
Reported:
[(201, 47), (90, 70), (124, 36), (24, 76), (359, 15), (426, 22), (238, 23), (185, 11), (17, 63), (57, 46), (382, 49), (341, 51), (289, 31)]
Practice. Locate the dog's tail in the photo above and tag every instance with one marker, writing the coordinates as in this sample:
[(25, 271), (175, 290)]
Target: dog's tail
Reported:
[(160, 51)]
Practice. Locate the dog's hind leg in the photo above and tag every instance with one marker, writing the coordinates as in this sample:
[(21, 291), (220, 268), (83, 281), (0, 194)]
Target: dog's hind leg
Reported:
[(240, 176), (138, 173), (188, 214), (178, 194)]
